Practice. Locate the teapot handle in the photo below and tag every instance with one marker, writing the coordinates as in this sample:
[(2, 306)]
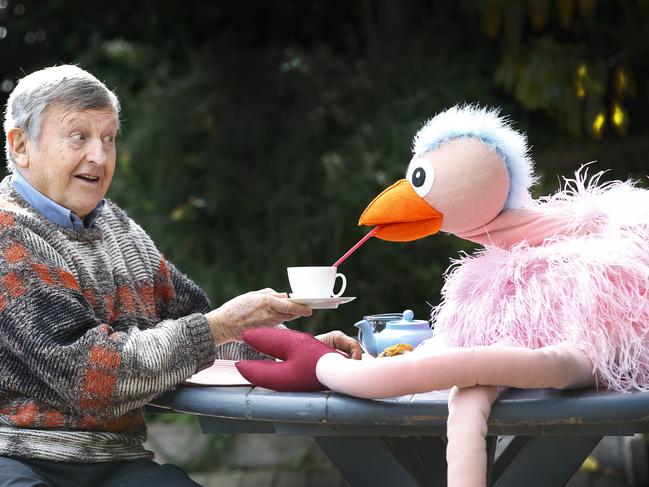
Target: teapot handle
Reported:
[(359, 338)]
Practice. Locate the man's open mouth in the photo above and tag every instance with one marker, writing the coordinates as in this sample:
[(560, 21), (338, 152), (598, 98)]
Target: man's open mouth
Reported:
[(87, 178)]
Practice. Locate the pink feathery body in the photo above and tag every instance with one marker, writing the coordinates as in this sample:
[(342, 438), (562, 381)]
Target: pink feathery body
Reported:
[(587, 286)]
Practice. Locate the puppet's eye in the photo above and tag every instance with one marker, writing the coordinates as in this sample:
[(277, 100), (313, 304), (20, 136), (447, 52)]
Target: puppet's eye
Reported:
[(421, 176)]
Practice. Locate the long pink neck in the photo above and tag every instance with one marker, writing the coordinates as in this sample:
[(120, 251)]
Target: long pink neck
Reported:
[(513, 226)]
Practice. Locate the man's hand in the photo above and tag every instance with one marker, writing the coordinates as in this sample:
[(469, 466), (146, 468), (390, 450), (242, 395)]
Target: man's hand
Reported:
[(338, 340), (251, 310)]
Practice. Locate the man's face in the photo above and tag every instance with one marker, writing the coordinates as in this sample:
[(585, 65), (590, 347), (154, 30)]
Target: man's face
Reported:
[(74, 160)]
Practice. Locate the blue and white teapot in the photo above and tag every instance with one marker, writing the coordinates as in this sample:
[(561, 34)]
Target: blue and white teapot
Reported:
[(398, 329)]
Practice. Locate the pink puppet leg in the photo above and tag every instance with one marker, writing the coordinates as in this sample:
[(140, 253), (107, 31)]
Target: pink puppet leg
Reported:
[(466, 452), (561, 366)]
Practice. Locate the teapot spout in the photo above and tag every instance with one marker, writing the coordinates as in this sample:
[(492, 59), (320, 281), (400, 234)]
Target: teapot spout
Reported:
[(366, 337)]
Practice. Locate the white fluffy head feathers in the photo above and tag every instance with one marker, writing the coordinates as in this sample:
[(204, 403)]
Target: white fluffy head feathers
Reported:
[(493, 130)]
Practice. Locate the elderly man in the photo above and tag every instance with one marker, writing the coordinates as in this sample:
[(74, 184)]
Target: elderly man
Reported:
[(94, 321)]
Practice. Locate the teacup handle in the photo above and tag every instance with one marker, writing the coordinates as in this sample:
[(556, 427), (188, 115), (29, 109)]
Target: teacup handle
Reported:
[(342, 288)]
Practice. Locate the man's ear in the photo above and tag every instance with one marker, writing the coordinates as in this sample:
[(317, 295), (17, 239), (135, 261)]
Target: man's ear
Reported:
[(18, 146)]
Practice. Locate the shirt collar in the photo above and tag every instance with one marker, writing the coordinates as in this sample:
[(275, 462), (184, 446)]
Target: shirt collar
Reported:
[(51, 209)]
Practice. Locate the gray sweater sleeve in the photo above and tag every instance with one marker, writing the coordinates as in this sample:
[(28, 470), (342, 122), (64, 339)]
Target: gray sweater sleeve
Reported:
[(58, 347), (190, 298)]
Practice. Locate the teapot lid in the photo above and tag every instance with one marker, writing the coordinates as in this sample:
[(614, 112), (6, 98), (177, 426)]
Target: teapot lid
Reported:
[(407, 318)]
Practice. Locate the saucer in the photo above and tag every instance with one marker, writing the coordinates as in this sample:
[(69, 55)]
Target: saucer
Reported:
[(322, 303)]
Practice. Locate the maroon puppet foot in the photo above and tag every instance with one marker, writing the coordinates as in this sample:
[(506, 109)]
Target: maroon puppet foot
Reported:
[(299, 351)]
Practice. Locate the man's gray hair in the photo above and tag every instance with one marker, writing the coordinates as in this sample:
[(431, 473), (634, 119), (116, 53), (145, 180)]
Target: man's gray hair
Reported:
[(66, 86)]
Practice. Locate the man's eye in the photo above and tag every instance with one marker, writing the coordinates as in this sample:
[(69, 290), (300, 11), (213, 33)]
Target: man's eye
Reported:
[(109, 138), (78, 137)]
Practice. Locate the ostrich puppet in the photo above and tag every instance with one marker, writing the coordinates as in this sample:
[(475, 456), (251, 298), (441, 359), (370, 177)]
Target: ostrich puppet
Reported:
[(557, 297)]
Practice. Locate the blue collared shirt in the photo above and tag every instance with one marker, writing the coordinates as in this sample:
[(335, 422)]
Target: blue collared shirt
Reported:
[(52, 210)]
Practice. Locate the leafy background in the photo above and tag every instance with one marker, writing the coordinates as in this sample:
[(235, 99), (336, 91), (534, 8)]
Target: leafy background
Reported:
[(255, 133)]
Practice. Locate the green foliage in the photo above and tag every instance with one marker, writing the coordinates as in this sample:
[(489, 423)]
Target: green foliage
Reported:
[(577, 61), (254, 134), (270, 162)]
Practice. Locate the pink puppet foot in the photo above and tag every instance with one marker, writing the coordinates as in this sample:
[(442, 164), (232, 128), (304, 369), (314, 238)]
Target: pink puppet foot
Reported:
[(299, 351)]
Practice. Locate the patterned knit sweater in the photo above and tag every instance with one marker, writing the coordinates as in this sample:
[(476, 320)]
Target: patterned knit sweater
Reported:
[(93, 324)]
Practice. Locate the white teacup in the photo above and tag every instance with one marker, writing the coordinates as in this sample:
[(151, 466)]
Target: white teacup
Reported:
[(315, 281)]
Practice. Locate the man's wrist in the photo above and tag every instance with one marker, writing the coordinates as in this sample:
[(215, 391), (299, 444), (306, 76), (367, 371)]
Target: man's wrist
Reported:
[(216, 325)]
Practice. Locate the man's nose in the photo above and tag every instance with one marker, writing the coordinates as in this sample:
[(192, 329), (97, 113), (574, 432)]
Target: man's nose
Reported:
[(96, 151)]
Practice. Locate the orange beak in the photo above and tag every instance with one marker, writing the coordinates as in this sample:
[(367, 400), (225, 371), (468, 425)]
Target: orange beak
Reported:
[(403, 214)]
